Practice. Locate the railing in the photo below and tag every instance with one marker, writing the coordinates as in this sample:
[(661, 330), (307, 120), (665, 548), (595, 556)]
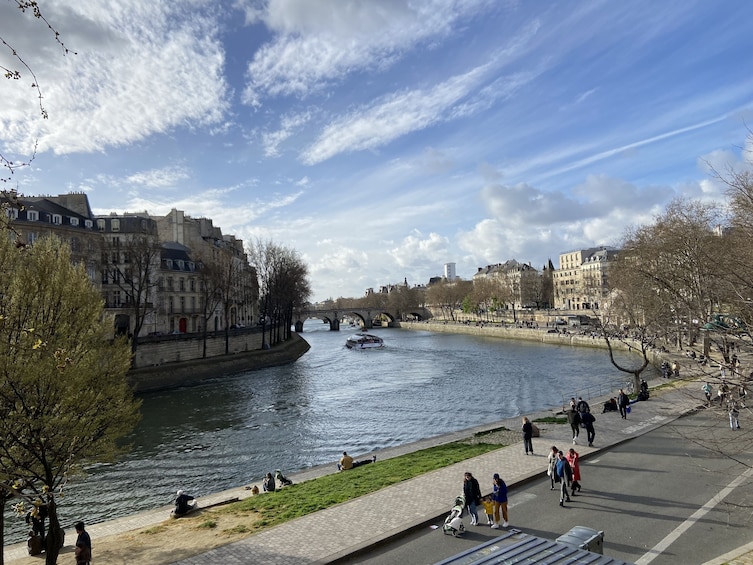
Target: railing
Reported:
[(595, 391)]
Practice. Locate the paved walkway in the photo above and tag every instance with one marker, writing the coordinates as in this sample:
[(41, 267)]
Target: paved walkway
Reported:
[(347, 528)]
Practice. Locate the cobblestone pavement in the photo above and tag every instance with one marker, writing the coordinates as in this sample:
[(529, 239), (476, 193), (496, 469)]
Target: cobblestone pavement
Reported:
[(355, 525)]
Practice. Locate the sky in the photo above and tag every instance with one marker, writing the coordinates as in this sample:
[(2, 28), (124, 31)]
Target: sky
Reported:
[(381, 139)]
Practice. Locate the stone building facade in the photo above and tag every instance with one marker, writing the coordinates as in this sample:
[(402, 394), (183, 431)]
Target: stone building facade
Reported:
[(150, 269), (582, 280)]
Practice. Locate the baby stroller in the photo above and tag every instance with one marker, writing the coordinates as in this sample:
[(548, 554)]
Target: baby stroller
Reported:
[(453, 524)]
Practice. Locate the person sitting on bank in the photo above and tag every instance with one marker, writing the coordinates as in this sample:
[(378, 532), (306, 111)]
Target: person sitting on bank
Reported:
[(182, 503), (610, 405), (268, 485), (346, 462)]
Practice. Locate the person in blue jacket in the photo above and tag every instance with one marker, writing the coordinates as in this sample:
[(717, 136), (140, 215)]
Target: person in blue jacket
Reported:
[(499, 497)]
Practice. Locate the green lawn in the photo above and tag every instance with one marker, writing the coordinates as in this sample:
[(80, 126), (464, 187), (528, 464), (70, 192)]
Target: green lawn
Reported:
[(314, 495)]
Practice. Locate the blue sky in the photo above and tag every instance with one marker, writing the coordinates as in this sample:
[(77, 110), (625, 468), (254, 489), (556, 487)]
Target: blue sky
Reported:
[(384, 138)]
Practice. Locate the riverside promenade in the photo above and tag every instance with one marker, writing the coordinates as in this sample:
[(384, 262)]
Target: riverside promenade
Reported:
[(348, 528)]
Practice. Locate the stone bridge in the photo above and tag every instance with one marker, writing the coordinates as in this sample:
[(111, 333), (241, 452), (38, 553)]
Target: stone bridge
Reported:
[(364, 317)]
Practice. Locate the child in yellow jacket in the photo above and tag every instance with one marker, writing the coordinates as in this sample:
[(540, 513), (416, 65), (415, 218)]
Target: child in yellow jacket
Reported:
[(488, 509)]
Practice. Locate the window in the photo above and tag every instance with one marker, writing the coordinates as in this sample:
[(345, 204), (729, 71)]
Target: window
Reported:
[(101, 225), (169, 283), (32, 215), (170, 305), (104, 277), (115, 225), (192, 284), (12, 213), (31, 237), (57, 219), (182, 303), (75, 247), (161, 284), (88, 223), (116, 299), (74, 221), (169, 263), (182, 284), (116, 241)]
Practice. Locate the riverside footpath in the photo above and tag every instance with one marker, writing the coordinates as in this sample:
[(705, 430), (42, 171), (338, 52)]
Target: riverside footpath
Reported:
[(354, 526)]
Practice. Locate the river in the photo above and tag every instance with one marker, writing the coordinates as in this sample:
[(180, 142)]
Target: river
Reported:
[(233, 429)]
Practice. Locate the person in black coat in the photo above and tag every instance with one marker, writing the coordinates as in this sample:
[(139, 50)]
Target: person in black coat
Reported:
[(472, 493), (588, 420), (623, 402), (527, 435)]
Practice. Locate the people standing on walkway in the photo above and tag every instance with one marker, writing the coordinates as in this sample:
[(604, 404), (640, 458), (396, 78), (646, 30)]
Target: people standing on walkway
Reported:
[(623, 401), (707, 388), (488, 505), (499, 497), (734, 415), (83, 551), (564, 475), (582, 406), (551, 464), (588, 420), (574, 460), (472, 493), (527, 435), (573, 418)]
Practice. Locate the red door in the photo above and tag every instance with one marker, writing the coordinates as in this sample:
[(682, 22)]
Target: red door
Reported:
[(182, 324)]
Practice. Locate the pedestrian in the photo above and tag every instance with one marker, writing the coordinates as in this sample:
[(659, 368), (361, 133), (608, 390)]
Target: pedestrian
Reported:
[(573, 418), (83, 551), (488, 504), (551, 464), (582, 406), (499, 497), (734, 414), (707, 388), (564, 477), (527, 435), (741, 394), (623, 401), (588, 420), (472, 493), (574, 460)]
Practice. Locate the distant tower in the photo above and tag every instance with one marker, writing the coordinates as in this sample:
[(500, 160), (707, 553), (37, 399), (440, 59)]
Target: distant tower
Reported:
[(449, 271)]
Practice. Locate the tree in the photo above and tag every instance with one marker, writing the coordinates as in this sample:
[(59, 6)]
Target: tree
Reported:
[(64, 399), (283, 287), (448, 296), (664, 283)]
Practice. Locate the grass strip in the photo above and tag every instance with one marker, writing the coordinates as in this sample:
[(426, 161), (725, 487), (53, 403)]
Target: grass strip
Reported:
[(311, 496)]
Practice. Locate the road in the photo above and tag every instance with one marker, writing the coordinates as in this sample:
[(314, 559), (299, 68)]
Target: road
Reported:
[(655, 497)]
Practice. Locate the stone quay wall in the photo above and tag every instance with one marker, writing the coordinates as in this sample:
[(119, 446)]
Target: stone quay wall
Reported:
[(573, 338), (174, 363)]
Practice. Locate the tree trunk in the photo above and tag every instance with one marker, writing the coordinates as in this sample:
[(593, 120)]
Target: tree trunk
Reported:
[(54, 535), (2, 530)]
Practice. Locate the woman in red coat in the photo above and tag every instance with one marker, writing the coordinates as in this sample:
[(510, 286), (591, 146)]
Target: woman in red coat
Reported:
[(573, 458)]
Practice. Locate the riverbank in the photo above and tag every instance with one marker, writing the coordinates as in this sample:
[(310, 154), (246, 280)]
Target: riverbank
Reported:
[(195, 371), (330, 534), (567, 336)]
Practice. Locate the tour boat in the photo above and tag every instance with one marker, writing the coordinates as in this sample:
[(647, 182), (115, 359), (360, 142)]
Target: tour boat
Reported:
[(364, 341)]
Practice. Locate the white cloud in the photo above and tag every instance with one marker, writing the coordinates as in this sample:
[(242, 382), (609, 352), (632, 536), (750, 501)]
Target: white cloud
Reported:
[(321, 42), (417, 251), (141, 68), (160, 178)]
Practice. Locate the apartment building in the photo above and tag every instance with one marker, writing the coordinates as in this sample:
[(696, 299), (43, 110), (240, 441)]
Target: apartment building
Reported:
[(582, 280)]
